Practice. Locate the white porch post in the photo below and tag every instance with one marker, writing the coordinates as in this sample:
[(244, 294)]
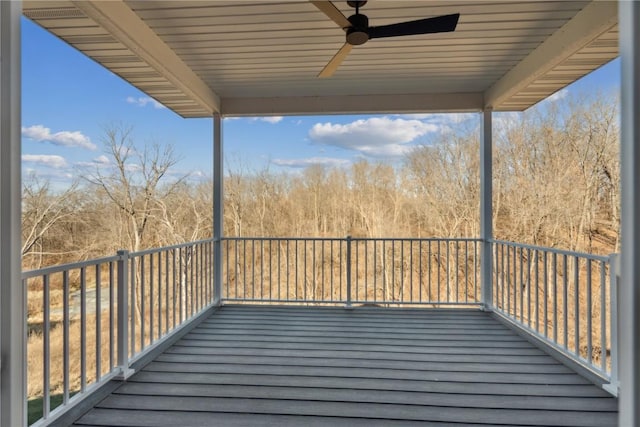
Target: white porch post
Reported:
[(12, 295), (629, 301), (218, 207), (486, 208)]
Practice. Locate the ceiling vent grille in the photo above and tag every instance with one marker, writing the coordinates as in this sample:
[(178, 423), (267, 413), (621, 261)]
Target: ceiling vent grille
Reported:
[(57, 13)]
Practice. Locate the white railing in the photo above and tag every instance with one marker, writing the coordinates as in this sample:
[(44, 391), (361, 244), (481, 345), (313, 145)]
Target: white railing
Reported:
[(95, 318), (567, 299), (170, 286), (90, 321), (348, 271)]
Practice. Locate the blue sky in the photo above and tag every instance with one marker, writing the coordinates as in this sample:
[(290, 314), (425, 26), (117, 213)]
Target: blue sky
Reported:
[(68, 100)]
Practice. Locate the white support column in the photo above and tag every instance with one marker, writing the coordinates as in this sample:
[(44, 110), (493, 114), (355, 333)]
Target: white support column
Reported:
[(218, 207), (486, 208), (629, 301), (12, 294)]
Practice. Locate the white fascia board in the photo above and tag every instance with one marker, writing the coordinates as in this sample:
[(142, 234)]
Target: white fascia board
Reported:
[(353, 104), (587, 25), (127, 27)]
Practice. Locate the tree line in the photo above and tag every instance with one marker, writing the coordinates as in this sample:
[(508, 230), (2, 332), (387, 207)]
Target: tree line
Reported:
[(556, 183)]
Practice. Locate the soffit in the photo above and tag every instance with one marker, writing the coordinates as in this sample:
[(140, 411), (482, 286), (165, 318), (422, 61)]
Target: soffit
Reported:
[(255, 58)]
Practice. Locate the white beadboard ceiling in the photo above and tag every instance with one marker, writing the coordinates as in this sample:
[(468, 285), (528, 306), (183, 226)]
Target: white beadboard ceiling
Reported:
[(263, 57)]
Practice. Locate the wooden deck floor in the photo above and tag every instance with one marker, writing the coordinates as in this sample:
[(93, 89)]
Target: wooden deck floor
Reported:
[(301, 366)]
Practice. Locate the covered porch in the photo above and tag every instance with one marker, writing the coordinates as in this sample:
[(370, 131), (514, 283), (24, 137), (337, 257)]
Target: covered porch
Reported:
[(472, 331), (333, 330)]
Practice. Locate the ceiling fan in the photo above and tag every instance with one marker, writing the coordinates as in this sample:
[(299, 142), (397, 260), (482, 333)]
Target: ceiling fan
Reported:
[(359, 32)]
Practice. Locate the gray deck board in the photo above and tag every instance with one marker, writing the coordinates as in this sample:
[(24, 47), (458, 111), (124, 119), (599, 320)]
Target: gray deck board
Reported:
[(317, 366), (407, 374), (416, 339), (433, 346), (526, 355), (322, 362), (499, 389), (109, 417), (466, 400), (443, 335)]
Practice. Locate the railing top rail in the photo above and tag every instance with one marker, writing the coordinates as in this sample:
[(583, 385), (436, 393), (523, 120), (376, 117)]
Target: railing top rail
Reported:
[(168, 248), (65, 267), (420, 239), (377, 239), (278, 239), (75, 265), (602, 258)]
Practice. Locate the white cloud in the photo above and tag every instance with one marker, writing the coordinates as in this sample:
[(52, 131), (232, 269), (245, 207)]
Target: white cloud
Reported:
[(132, 167), (562, 93), (504, 120), (102, 160), (419, 116), (143, 101), (460, 117), (47, 160), (98, 162), (268, 119), (63, 138), (377, 136), (303, 163), (441, 118), (198, 174), (61, 179), (195, 174), (272, 119)]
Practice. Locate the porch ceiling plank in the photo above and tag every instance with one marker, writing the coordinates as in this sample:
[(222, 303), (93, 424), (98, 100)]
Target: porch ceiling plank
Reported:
[(323, 37), (190, 53), (124, 25), (594, 20), (213, 57), (275, 30)]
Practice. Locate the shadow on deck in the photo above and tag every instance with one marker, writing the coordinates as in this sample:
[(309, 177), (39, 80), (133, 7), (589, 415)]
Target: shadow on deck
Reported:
[(279, 366)]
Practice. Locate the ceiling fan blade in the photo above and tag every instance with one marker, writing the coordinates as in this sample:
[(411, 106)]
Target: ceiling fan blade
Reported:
[(335, 62), (332, 12), (438, 24)]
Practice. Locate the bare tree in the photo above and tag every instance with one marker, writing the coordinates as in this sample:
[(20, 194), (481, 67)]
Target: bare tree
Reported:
[(557, 176), (42, 210), (445, 181), (132, 180), (186, 215)]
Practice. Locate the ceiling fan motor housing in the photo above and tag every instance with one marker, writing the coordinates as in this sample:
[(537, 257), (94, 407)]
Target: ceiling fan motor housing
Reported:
[(357, 34)]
